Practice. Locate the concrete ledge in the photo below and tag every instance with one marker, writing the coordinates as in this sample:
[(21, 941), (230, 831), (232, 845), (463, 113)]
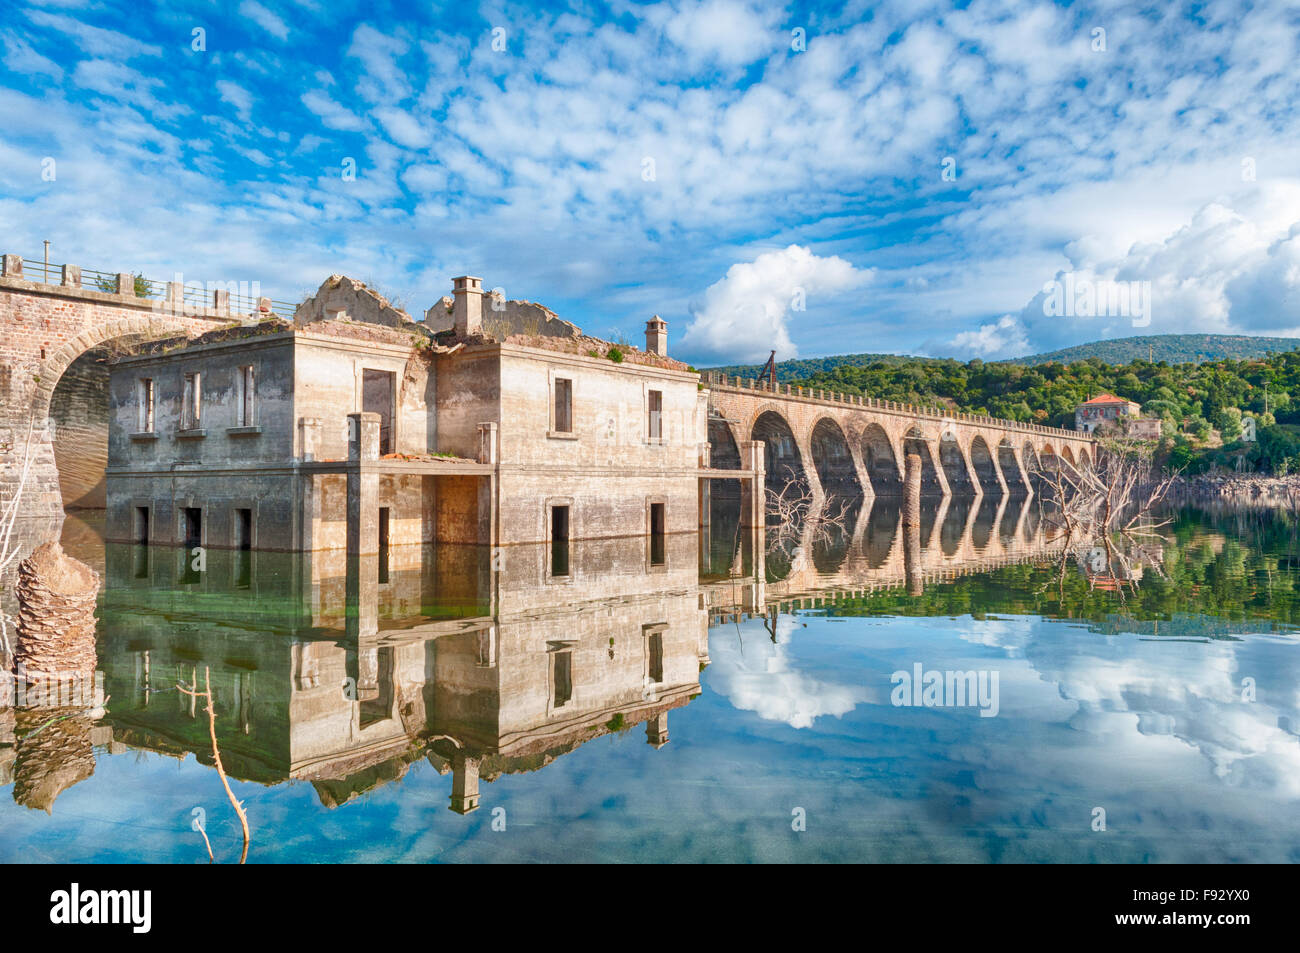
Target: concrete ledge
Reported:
[(145, 435), (561, 435), (243, 431)]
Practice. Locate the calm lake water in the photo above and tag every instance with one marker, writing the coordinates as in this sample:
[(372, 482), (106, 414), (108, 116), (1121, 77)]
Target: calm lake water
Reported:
[(669, 706)]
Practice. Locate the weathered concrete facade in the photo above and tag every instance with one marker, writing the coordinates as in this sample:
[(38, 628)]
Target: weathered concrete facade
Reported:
[(338, 435), (482, 673)]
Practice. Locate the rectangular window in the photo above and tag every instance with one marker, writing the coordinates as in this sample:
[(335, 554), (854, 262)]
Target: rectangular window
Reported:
[(562, 677), (383, 544), (656, 406), (559, 540), (245, 397), (658, 551), (144, 400), (563, 405), (193, 525), (655, 656), (243, 529), (377, 391), (192, 403), (141, 533)]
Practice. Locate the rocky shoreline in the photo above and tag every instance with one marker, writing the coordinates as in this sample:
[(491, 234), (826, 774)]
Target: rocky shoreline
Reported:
[(1245, 489)]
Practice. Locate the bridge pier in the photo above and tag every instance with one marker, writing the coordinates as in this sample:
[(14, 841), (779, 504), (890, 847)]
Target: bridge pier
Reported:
[(1001, 477)]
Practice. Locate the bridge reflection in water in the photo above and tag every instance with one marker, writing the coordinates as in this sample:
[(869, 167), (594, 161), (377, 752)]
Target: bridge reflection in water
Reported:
[(344, 672)]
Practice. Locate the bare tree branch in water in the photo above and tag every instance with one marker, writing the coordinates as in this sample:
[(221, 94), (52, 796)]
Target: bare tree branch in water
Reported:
[(793, 509), (1117, 494), (1109, 507), (216, 754), (8, 516)]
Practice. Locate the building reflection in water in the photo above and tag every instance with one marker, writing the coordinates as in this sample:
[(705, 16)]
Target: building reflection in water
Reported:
[(345, 671)]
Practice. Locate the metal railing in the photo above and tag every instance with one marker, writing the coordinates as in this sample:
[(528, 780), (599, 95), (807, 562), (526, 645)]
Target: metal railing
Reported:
[(192, 296), (715, 378)]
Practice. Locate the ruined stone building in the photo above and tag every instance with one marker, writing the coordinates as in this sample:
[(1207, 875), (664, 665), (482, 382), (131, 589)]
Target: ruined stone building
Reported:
[(354, 429)]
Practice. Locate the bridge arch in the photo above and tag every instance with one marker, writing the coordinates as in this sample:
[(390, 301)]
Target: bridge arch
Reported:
[(914, 441), (1067, 455), (1017, 479), (724, 450), (954, 465), (883, 468), (783, 459), (986, 468), (64, 399), (834, 459), (1084, 460)]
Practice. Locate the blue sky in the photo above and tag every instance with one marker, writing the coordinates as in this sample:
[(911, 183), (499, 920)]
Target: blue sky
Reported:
[(756, 186)]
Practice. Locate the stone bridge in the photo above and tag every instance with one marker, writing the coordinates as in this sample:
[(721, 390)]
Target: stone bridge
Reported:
[(52, 322), (877, 552), (838, 444)]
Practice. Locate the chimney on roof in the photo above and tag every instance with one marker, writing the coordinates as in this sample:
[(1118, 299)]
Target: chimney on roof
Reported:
[(656, 336), (467, 306)]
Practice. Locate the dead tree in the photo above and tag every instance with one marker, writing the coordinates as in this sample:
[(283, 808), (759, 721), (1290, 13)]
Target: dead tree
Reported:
[(794, 509)]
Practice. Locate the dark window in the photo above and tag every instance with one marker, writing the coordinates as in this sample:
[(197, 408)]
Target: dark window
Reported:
[(563, 405), (559, 540), (655, 652), (656, 414), (243, 529), (383, 544), (562, 664), (377, 398), (658, 553), (193, 527), (142, 524)]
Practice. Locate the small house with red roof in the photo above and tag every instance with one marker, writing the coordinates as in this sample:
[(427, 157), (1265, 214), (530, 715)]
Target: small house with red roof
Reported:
[(1102, 409)]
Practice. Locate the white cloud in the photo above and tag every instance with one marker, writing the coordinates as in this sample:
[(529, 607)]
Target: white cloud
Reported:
[(237, 96), (745, 314), (264, 18), (94, 40), (20, 57), (331, 113), (761, 676), (1003, 338), (725, 32), (1233, 268), (403, 128)]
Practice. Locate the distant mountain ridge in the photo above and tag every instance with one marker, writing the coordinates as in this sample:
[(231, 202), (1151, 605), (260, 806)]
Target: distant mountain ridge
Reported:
[(1171, 348)]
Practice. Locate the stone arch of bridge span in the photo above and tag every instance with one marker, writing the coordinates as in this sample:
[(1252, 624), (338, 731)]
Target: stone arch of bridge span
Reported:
[(1085, 461), (880, 461), (1017, 479), (954, 465), (1067, 455), (724, 449), (783, 458), (833, 458), (66, 401), (915, 441), (986, 469)]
